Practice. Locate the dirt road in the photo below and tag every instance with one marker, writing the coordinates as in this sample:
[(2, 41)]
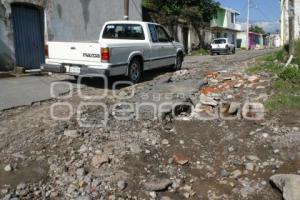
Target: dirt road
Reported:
[(198, 142)]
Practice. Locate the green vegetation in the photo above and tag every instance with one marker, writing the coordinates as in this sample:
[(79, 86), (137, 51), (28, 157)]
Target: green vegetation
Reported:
[(287, 86), (200, 51), (257, 29), (173, 13)]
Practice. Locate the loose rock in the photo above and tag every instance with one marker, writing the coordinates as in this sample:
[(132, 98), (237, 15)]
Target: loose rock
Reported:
[(99, 160), (288, 184), (158, 185)]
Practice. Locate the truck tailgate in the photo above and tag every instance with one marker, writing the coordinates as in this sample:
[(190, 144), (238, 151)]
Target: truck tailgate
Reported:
[(74, 51)]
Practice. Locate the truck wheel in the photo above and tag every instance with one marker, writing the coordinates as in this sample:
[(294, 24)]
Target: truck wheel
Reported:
[(135, 71), (179, 61), (233, 51)]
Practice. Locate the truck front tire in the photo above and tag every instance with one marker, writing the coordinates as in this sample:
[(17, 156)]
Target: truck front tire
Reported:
[(135, 71), (179, 61)]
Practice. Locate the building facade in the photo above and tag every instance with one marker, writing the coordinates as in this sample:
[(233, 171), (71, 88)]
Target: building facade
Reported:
[(256, 40), (25, 25), (285, 20), (225, 25)]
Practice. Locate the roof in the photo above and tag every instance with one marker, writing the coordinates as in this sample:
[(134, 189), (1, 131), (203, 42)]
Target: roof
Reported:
[(231, 10)]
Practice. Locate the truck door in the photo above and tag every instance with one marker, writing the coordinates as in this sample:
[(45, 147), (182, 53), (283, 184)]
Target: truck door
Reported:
[(162, 50)]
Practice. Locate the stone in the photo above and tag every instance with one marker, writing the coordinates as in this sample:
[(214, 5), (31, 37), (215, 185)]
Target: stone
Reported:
[(152, 194), (80, 172), (83, 149), (205, 100), (276, 151), (230, 149), (165, 142), (135, 149), (234, 108), (296, 129), (121, 185), (5, 191), (8, 168), (224, 173), (253, 158), (265, 135), (236, 174), (99, 160), (71, 133), (288, 184), (21, 186), (158, 185), (249, 166), (186, 195), (86, 197)]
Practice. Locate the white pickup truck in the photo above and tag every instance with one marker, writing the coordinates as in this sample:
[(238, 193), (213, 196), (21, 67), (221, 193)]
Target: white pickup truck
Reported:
[(125, 48)]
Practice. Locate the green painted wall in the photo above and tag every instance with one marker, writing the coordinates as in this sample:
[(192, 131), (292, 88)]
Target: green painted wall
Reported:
[(221, 18)]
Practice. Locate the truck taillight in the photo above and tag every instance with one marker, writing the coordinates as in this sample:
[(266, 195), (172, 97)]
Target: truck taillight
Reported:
[(105, 54), (46, 51)]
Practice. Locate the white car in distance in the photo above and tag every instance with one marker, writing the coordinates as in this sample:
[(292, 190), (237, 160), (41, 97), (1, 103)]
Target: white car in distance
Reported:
[(222, 45)]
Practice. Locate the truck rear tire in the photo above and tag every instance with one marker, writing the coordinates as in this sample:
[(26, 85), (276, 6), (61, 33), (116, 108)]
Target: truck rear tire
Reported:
[(135, 71)]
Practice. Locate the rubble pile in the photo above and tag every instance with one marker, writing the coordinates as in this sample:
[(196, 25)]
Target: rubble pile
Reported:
[(213, 152)]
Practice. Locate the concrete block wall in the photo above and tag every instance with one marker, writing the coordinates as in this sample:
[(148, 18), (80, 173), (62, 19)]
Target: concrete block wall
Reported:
[(65, 20)]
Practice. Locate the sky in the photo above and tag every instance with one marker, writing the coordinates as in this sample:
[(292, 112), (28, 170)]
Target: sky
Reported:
[(265, 13)]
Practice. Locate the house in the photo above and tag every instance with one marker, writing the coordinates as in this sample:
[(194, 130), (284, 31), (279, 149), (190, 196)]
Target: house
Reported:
[(256, 40), (224, 24), (273, 40), (285, 20), (25, 25)]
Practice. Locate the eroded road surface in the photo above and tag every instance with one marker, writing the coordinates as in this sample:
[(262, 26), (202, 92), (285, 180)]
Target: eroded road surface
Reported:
[(190, 134)]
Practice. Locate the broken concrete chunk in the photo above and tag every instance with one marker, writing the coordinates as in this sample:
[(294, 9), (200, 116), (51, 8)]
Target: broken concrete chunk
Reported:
[(205, 100), (71, 133), (234, 108), (288, 184), (180, 158)]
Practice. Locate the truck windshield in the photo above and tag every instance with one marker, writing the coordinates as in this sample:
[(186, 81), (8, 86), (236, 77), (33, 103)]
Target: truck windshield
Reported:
[(219, 41), (124, 31)]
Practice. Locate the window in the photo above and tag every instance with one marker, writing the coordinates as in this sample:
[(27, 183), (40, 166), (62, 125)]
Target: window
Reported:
[(153, 33), (225, 35), (219, 41), (162, 34), (124, 31), (233, 18)]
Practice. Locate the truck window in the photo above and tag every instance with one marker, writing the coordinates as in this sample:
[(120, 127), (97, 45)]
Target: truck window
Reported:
[(124, 31), (163, 36), (153, 33)]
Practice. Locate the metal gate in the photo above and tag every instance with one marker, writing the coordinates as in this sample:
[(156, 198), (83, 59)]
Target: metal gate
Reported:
[(28, 27)]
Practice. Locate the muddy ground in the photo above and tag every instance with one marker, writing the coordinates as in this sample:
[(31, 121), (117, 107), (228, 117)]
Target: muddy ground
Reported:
[(167, 157)]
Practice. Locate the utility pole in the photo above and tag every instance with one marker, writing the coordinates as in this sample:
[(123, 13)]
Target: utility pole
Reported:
[(126, 9), (248, 23), (291, 10)]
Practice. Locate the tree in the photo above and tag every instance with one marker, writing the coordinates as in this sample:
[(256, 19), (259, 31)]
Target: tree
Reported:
[(257, 29), (197, 13)]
